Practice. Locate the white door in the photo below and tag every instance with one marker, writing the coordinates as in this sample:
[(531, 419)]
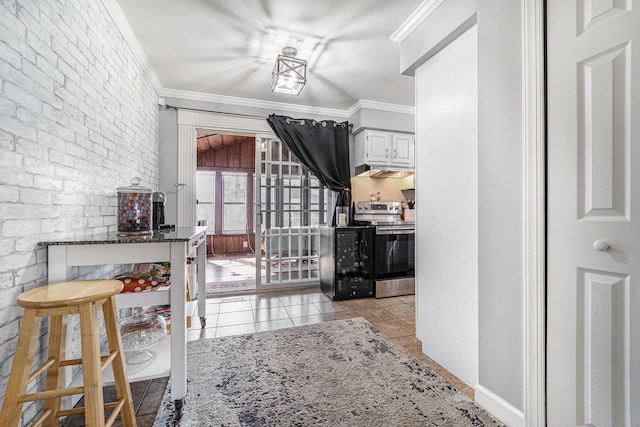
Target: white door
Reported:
[(593, 260)]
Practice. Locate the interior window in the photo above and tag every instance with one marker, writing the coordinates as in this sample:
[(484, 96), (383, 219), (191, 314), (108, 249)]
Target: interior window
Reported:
[(205, 195), (234, 203)]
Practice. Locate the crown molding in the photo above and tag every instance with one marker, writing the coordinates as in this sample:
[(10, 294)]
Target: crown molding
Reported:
[(115, 11), (415, 19), (303, 109), (383, 106), (248, 102)]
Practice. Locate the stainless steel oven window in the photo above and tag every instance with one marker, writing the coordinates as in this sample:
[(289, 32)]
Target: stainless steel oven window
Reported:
[(394, 253)]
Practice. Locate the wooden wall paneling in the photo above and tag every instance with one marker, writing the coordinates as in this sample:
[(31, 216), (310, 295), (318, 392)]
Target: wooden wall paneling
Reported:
[(205, 158), (230, 244), (219, 246), (248, 154), (210, 244), (233, 156), (220, 158)]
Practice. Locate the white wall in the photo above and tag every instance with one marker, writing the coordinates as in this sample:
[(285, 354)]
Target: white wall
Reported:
[(500, 186), (78, 118), (501, 202), (447, 229)]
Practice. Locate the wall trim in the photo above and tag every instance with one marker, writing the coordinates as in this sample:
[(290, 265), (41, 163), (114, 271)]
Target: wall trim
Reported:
[(248, 102), (533, 74), (232, 123), (302, 109), (117, 15), (415, 19), (383, 106), (498, 407)]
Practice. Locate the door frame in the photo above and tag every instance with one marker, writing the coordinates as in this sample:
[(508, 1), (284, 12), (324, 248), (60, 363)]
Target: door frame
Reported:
[(188, 123), (534, 161)]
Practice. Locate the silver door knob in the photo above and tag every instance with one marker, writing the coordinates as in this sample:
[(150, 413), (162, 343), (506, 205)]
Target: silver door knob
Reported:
[(600, 245)]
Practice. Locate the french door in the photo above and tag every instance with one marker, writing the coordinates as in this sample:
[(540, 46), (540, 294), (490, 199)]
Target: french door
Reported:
[(290, 207)]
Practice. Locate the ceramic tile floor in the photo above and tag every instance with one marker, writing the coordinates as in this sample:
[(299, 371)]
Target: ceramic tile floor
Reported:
[(241, 314)]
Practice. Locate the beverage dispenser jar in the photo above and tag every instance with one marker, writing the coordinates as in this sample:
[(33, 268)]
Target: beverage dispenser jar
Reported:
[(134, 209)]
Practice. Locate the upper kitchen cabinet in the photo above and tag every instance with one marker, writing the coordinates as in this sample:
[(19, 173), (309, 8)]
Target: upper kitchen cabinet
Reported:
[(402, 146), (377, 148)]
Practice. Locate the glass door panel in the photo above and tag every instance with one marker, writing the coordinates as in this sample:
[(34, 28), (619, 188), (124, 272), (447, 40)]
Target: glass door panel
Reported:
[(290, 208)]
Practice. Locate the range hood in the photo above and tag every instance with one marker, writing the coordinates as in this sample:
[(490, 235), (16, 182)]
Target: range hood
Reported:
[(373, 171)]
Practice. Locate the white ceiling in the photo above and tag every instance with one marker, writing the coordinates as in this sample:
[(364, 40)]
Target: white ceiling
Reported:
[(224, 47)]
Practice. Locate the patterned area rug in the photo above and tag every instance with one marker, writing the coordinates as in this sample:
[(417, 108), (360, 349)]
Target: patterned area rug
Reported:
[(340, 373)]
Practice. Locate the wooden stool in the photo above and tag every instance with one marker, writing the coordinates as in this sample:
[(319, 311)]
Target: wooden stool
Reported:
[(56, 301)]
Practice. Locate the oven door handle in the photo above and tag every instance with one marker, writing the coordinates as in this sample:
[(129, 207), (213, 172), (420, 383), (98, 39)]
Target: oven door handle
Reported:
[(390, 230)]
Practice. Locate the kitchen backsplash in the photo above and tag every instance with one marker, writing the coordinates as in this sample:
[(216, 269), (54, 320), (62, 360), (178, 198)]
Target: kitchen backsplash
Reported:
[(389, 188)]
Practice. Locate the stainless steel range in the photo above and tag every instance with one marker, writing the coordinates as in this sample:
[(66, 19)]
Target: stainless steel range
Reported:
[(393, 248)]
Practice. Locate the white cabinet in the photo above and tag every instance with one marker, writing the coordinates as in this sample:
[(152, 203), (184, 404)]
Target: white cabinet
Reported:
[(384, 149), (402, 149), (376, 146)]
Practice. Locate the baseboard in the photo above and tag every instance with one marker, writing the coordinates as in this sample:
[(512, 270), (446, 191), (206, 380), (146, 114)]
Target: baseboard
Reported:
[(498, 407)]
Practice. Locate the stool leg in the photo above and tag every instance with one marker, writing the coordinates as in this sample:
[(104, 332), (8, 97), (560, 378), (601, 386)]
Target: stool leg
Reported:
[(21, 369), (119, 372), (55, 374), (92, 375)]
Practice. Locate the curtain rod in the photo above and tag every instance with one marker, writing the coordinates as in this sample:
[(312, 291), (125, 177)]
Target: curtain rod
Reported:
[(167, 106)]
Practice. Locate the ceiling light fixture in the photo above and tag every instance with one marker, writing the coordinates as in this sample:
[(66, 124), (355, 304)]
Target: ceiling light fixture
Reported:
[(289, 73)]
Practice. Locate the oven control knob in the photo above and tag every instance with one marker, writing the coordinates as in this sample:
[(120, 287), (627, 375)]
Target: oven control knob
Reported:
[(366, 206), (356, 264)]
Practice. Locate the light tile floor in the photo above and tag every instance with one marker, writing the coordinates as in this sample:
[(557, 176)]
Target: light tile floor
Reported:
[(241, 314)]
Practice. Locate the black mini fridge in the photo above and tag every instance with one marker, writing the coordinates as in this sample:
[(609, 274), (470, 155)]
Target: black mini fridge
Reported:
[(346, 262)]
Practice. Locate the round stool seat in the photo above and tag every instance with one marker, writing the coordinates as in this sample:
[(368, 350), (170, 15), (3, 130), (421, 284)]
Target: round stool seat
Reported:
[(68, 294)]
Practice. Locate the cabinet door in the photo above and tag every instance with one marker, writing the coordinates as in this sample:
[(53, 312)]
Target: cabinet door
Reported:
[(402, 149), (377, 144)]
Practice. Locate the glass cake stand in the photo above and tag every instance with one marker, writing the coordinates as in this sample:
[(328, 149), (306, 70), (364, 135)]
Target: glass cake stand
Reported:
[(139, 333)]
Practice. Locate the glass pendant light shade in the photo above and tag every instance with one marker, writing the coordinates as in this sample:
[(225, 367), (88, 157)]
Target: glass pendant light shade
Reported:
[(289, 73)]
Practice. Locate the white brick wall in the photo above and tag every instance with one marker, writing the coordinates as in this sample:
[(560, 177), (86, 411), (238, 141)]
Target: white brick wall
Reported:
[(78, 118)]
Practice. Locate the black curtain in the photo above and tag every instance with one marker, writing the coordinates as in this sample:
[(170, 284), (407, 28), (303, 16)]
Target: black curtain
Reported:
[(323, 147)]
